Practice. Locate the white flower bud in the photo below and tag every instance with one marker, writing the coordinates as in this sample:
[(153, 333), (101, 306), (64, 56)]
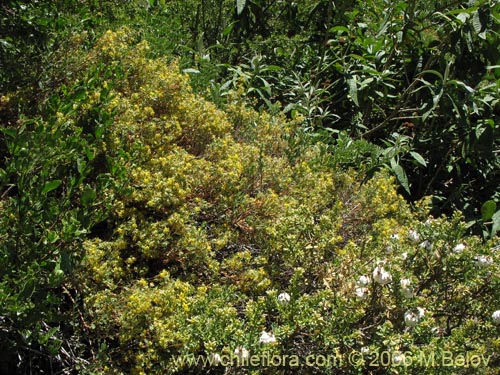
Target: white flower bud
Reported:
[(381, 276), (420, 312), (413, 236), (496, 317), (398, 358), (361, 293), (483, 261), (284, 297), (459, 248), (412, 318), (363, 280), (267, 338)]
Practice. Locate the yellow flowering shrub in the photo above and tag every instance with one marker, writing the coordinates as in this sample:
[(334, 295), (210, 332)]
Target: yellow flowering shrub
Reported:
[(226, 232)]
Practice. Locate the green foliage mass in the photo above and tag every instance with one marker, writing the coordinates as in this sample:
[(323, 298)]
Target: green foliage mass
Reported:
[(143, 225), (221, 217)]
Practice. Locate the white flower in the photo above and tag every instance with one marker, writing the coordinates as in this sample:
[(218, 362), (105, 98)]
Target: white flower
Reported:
[(459, 248), (267, 338), (427, 245), (398, 358), (412, 318), (483, 261), (405, 283), (420, 312), (406, 288), (365, 350), (381, 276), (395, 236), (496, 317), (284, 297), (363, 280), (413, 236), (241, 352), (361, 293), (404, 255)]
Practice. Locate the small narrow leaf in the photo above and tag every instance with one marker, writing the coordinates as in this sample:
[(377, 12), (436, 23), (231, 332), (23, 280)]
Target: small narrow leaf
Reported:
[(51, 185)]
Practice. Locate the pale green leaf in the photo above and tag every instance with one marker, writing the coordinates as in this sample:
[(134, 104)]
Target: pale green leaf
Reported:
[(240, 5)]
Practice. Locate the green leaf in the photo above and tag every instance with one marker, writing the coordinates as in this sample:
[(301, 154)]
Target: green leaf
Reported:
[(51, 185), (28, 289), (496, 223), (240, 5), (353, 90), (463, 16), (476, 22), (488, 209), (400, 175), (418, 158), (88, 196), (52, 237)]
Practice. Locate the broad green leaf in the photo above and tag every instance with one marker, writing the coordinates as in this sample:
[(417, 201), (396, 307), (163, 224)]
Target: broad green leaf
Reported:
[(240, 5), (88, 196), (400, 175), (51, 185), (488, 209)]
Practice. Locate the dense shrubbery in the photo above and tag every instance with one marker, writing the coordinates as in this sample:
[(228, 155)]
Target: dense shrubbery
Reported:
[(143, 225), (223, 221)]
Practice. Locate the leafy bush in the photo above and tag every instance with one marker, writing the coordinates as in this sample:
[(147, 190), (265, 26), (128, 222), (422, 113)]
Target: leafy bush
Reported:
[(56, 178), (143, 226), (226, 233)]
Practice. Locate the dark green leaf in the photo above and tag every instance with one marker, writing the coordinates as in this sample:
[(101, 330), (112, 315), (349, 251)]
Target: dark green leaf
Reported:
[(52, 185), (488, 209), (88, 196)]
